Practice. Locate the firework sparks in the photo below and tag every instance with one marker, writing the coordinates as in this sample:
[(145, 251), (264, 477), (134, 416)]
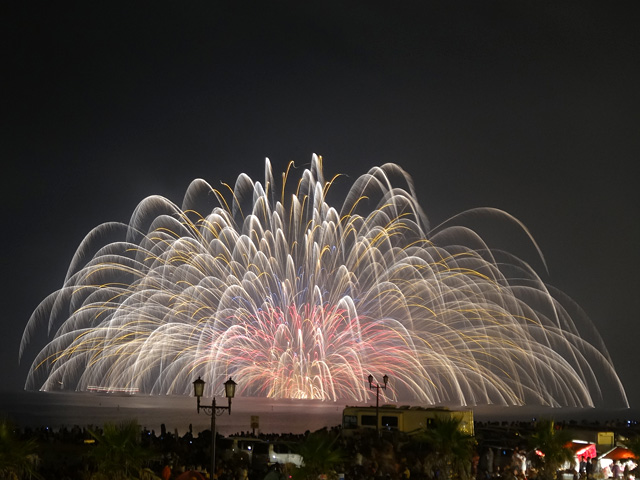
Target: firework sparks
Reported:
[(300, 299)]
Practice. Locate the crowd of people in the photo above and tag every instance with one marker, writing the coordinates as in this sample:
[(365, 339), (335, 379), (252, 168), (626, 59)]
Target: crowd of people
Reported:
[(363, 455)]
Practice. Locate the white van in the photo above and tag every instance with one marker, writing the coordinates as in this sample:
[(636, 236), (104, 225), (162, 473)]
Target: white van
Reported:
[(260, 452), (280, 452)]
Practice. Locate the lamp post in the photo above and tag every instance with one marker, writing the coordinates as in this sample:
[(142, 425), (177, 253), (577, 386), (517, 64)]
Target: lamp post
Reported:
[(385, 379), (214, 410)]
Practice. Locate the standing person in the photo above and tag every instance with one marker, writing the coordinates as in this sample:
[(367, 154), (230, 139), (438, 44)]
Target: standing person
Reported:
[(517, 461), (589, 469), (274, 473), (166, 472), (489, 461), (242, 472), (475, 462), (615, 469), (583, 466)]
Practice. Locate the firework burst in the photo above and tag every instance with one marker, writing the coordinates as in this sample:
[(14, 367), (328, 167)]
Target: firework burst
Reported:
[(298, 299)]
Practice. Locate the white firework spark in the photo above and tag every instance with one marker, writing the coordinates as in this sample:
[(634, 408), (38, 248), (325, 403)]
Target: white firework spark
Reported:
[(298, 299)]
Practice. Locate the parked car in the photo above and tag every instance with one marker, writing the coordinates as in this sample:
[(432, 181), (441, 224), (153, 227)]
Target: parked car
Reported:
[(281, 452), (259, 452)]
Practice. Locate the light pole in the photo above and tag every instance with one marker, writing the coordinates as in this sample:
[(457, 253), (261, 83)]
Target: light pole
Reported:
[(385, 379), (214, 410)]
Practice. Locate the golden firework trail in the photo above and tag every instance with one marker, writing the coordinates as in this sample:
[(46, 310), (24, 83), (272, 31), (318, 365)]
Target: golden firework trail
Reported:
[(297, 298)]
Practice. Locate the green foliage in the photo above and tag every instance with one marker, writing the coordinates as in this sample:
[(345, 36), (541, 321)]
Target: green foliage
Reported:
[(450, 449), (553, 443), (119, 454), (321, 454), (633, 444), (17, 457)]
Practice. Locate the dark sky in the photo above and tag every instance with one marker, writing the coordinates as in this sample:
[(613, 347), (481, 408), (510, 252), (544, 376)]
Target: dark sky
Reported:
[(528, 106)]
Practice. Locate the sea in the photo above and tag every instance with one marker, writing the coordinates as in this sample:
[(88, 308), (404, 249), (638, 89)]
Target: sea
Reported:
[(55, 410), (177, 413)]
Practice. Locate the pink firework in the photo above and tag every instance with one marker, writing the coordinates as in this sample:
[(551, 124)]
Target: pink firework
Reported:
[(296, 298)]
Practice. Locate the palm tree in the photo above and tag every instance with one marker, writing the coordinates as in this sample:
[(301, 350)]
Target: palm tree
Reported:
[(16, 456), (450, 449), (321, 455), (633, 444), (551, 445), (119, 454)]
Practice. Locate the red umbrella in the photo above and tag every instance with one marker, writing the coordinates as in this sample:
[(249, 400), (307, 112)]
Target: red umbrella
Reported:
[(583, 449), (620, 453), (191, 475)]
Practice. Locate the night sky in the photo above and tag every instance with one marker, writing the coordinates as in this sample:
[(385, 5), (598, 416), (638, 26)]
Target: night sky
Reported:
[(531, 107)]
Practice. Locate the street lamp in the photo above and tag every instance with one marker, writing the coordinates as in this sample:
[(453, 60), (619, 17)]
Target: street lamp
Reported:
[(214, 410), (385, 379)]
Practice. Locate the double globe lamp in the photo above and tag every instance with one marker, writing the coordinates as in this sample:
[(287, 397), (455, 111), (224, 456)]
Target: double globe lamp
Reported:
[(214, 410)]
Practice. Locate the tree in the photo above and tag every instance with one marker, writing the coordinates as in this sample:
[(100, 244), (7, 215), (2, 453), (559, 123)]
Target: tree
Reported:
[(321, 454), (450, 449), (551, 446), (16, 456), (119, 454), (633, 444)]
